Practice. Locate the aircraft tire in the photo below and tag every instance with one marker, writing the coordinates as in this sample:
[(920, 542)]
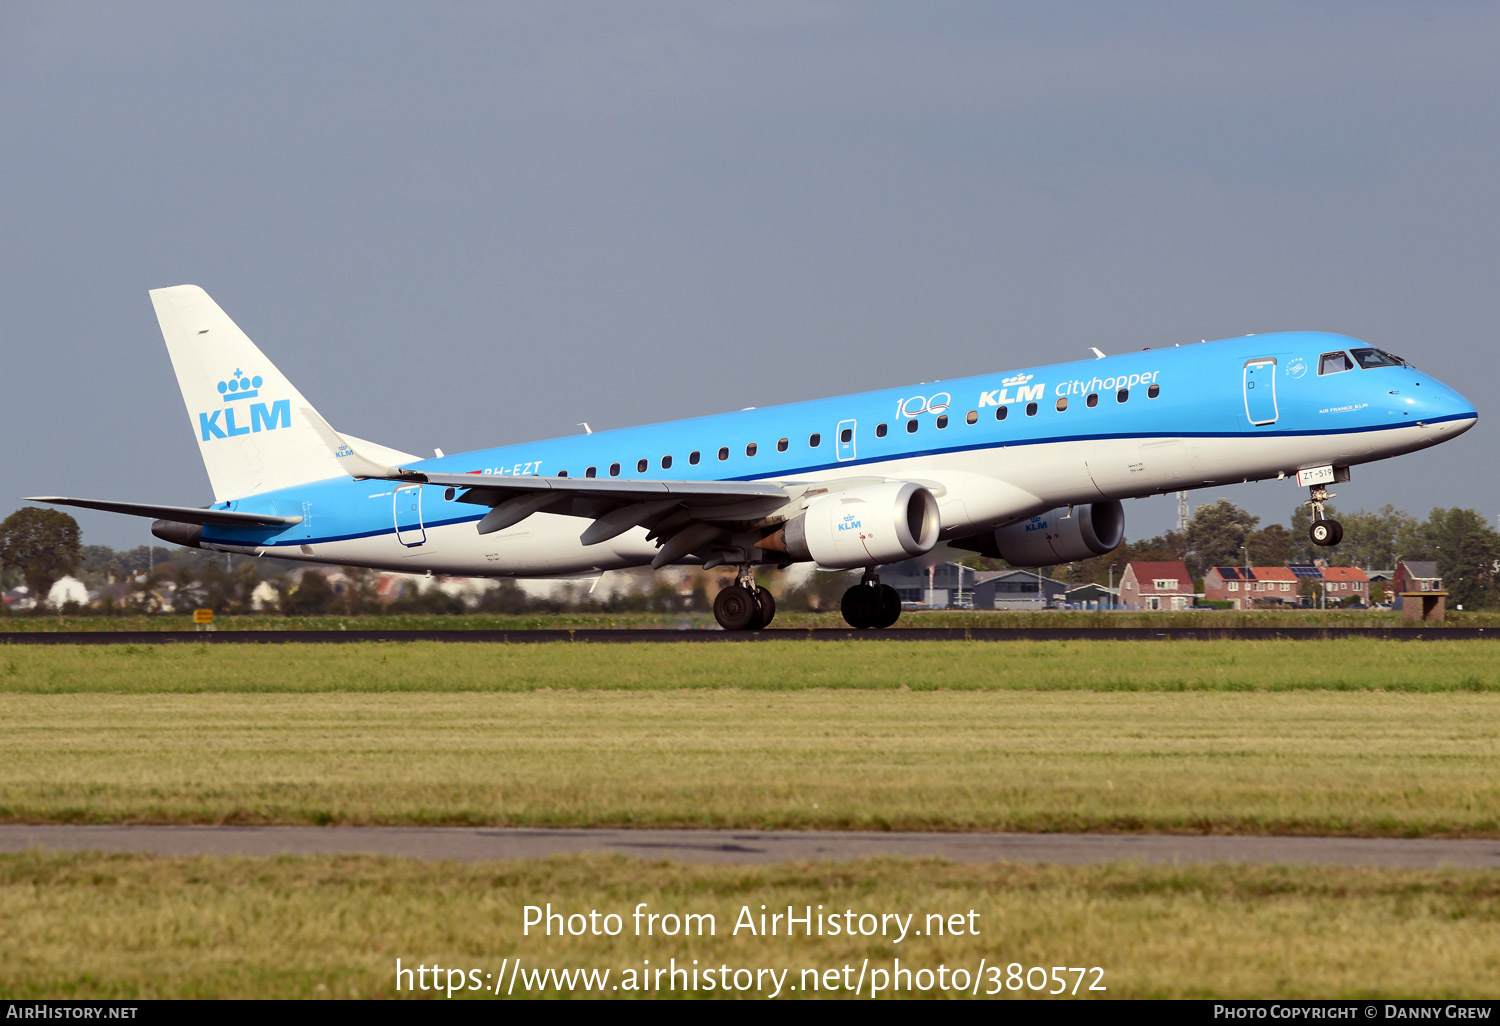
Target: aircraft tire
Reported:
[(1325, 532), (890, 607), (860, 606), (767, 604), (1338, 532), (736, 609)]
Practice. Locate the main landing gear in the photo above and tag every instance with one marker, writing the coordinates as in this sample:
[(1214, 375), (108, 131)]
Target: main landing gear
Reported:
[(871, 604), (744, 605), (1323, 530)]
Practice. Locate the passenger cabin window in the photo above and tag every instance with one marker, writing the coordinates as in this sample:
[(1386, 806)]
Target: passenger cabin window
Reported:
[(781, 444), (693, 458), (1123, 395), (562, 473), (846, 434), (614, 470), (591, 472), (1371, 358), (640, 466), (449, 493), (1334, 363), (1153, 391), (1001, 412), (942, 421), (750, 449), (972, 417), (666, 463), (814, 440), (911, 427), (1031, 409), (1092, 400), (723, 453), (879, 430), (1062, 404)]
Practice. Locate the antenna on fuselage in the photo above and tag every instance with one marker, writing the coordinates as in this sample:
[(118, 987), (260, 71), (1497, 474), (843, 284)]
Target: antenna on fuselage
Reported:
[(1097, 354), (585, 425)]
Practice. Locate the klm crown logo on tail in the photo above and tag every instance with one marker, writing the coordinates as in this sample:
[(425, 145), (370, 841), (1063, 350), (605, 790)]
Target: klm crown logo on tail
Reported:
[(263, 416)]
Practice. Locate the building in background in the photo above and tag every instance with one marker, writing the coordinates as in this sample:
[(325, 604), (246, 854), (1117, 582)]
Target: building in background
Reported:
[(1090, 596), (1164, 585), (1414, 575), (1347, 585), (1270, 587), (1017, 589)]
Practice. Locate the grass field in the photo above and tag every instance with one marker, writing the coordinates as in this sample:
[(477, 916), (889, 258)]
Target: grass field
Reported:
[(1341, 737), (113, 926), (1201, 736), (1353, 664)]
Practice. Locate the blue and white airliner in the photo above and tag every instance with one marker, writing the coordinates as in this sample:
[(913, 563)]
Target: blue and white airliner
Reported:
[(1029, 465)]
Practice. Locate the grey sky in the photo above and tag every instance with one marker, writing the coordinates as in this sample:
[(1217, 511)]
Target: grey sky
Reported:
[(462, 225)]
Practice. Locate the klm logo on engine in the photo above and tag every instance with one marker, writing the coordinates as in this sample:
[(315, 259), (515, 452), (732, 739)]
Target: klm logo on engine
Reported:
[(243, 420), (849, 523)]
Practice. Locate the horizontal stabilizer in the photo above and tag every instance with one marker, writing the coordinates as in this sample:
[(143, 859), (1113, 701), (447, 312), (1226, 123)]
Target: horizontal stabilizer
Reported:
[(179, 514)]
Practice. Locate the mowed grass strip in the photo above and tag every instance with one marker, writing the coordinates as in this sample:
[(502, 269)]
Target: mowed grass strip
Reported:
[(89, 926), (1369, 764), (1342, 665)]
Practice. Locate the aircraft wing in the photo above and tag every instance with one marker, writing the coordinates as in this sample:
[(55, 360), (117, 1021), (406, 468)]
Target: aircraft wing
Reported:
[(487, 489), (180, 514), (681, 516)]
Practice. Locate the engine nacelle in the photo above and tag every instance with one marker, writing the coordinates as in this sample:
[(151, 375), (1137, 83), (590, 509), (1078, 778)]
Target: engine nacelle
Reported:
[(1054, 537), (868, 526)]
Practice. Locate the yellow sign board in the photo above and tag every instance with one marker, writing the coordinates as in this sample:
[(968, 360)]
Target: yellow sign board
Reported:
[(203, 616)]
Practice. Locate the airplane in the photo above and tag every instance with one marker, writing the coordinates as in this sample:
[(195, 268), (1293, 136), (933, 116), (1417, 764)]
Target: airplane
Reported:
[(1028, 465)]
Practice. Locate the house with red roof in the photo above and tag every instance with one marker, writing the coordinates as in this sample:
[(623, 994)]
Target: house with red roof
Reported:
[(1260, 587), (1166, 585), (1346, 584), (1250, 587)]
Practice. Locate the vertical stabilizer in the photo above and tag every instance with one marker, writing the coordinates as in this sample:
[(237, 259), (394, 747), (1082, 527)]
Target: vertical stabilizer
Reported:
[(251, 423)]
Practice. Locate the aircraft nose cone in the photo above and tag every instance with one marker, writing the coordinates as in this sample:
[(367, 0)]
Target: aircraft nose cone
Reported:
[(1448, 406)]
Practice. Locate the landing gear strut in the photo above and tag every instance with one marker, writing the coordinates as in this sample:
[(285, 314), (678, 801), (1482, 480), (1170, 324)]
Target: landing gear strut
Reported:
[(1323, 530), (744, 605), (871, 604)]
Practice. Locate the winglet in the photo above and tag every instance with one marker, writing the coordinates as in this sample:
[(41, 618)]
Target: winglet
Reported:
[(350, 459)]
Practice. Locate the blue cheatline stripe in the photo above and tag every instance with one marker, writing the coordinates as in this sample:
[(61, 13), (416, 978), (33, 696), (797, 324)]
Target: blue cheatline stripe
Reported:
[(891, 458)]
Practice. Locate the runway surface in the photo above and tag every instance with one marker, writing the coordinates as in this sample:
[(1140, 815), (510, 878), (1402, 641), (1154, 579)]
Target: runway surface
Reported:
[(664, 636), (750, 847)]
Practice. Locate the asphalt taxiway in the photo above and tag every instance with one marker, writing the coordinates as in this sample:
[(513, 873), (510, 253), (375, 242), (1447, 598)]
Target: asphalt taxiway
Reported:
[(749, 847)]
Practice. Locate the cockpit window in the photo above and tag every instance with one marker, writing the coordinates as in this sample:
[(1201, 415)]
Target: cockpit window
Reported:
[(1369, 358), (1334, 363)]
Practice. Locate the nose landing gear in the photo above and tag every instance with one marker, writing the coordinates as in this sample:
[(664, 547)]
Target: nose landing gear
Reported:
[(1323, 530), (871, 604), (744, 605)]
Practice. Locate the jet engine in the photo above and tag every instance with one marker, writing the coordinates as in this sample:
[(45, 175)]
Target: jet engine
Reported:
[(867, 526), (1054, 537)]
